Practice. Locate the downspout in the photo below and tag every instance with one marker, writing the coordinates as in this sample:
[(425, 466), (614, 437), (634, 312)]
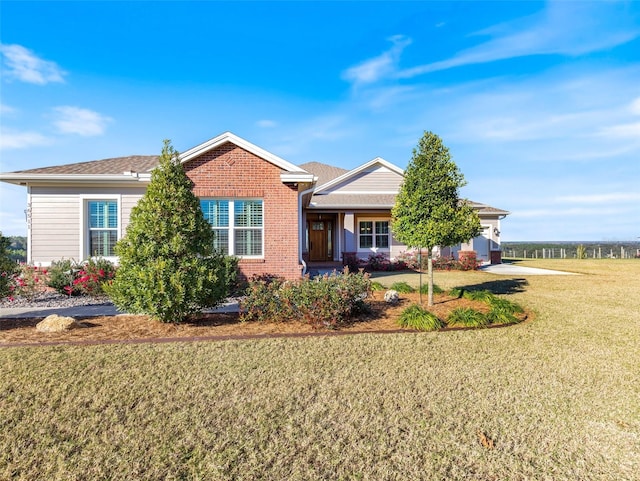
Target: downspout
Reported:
[(301, 229)]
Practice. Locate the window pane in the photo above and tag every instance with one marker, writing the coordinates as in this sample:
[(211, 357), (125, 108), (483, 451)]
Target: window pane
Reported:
[(221, 241), (103, 214), (366, 227), (216, 212), (101, 243), (248, 242), (248, 213), (366, 241), (382, 241), (382, 227)]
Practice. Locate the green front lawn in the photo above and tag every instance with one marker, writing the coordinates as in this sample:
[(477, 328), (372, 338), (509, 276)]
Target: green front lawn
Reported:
[(555, 398)]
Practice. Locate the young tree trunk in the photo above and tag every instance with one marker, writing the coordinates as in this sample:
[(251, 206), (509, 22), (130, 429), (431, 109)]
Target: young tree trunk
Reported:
[(430, 275)]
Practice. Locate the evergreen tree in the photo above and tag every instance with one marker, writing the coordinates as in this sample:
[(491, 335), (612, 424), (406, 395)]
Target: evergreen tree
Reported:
[(168, 266), (428, 211)]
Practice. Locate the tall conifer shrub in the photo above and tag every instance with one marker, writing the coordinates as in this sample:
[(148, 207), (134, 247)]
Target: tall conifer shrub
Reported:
[(168, 267)]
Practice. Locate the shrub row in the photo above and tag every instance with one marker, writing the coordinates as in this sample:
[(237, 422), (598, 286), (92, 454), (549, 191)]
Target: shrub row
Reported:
[(65, 276), (467, 261), (323, 302)]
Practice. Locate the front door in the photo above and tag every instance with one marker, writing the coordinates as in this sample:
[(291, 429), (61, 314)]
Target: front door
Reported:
[(320, 240)]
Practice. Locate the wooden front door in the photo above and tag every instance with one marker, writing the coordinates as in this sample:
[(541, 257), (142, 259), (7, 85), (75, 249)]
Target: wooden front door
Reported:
[(320, 232)]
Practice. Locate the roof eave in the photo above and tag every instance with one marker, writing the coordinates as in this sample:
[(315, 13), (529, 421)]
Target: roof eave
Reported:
[(25, 179)]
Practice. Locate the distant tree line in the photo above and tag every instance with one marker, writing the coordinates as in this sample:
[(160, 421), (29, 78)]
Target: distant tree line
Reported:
[(17, 248), (571, 250)]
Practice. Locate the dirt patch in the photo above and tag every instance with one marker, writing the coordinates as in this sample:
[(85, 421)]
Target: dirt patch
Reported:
[(134, 328)]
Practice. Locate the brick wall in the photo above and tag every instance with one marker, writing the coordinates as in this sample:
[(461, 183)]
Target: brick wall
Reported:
[(232, 172)]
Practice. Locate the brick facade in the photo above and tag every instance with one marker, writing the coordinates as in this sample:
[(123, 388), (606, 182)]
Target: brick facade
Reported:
[(231, 172)]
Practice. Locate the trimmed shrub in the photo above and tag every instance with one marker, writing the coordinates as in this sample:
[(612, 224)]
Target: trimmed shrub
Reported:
[(92, 275), (402, 287), (323, 302), (416, 317), (62, 273), (467, 317)]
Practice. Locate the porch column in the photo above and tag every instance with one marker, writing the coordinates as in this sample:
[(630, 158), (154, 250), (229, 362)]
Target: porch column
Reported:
[(349, 232)]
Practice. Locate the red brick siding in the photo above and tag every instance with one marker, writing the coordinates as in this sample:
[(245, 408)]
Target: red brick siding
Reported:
[(232, 172)]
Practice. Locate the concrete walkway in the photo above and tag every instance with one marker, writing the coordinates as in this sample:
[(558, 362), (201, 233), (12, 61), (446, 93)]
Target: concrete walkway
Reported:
[(88, 311)]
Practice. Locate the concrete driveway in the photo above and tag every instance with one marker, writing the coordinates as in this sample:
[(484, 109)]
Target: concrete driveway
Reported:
[(516, 270)]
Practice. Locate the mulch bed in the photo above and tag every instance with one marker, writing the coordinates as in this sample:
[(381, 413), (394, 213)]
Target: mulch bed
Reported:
[(135, 328)]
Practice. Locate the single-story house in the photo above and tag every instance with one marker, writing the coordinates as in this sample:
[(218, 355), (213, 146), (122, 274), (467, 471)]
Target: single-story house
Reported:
[(278, 217)]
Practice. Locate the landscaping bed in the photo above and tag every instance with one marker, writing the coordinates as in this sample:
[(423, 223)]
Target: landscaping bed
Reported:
[(382, 317)]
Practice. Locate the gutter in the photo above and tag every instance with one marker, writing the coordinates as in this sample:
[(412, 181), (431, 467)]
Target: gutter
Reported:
[(300, 228)]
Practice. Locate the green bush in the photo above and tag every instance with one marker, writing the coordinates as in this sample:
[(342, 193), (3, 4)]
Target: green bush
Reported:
[(92, 275), (467, 317), (376, 286), (416, 317), (8, 268), (231, 275), (322, 302), (402, 287), (62, 273)]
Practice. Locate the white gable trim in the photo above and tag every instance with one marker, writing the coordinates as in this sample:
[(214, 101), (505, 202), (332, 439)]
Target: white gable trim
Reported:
[(363, 168), (240, 142)]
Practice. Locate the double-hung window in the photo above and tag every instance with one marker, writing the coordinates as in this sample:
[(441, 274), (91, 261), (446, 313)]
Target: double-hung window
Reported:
[(103, 227), (238, 225), (373, 234)]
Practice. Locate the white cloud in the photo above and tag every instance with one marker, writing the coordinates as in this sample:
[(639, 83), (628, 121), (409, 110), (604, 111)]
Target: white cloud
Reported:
[(22, 140), (85, 122), (630, 131), (6, 109), (634, 106), (383, 65), (266, 123), (562, 28), (22, 64)]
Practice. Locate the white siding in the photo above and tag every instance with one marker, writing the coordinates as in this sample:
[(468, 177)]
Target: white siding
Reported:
[(56, 224), (377, 181)]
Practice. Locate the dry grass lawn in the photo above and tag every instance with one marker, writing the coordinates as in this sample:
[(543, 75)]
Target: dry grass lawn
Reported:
[(557, 398)]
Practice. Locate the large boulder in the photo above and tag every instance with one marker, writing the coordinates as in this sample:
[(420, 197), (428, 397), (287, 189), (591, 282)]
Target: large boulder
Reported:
[(56, 323)]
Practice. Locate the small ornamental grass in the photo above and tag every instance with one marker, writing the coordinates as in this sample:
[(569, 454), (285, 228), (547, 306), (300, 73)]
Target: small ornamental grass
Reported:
[(323, 302), (436, 289), (402, 288), (467, 317), (417, 317), (376, 286)]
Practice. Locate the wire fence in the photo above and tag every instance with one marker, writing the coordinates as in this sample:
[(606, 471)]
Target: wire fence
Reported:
[(617, 251)]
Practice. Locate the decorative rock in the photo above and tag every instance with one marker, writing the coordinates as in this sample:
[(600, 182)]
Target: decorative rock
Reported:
[(391, 297), (56, 323)]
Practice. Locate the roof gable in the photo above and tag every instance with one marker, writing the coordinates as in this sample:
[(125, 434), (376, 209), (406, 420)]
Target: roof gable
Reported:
[(377, 165), (242, 143)]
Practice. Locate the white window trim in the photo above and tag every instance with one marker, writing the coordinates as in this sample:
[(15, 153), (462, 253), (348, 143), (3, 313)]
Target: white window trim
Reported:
[(374, 249), (232, 228), (84, 223)]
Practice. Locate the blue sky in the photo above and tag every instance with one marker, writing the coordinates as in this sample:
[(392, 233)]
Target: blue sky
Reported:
[(539, 102)]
